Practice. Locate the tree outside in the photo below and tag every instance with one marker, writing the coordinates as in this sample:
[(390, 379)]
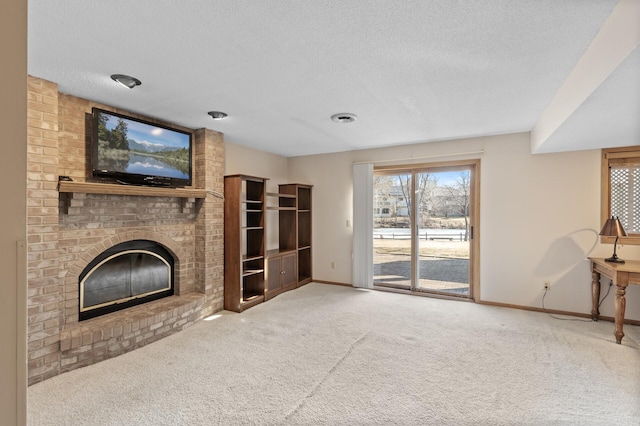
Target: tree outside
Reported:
[(441, 205)]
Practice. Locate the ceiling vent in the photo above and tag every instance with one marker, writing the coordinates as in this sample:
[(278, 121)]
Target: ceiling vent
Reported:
[(217, 115), (344, 117)]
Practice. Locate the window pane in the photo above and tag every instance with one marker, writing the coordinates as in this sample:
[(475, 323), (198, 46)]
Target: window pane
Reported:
[(392, 230), (444, 223)]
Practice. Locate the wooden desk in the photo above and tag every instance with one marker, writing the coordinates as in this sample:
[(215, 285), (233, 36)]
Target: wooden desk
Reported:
[(622, 274)]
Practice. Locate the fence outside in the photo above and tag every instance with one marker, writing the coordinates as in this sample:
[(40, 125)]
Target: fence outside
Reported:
[(450, 236)]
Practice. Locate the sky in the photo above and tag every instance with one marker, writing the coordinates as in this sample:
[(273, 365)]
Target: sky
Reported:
[(446, 178), (149, 134)]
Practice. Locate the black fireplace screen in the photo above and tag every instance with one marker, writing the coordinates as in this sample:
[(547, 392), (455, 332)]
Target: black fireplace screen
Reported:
[(125, 275)]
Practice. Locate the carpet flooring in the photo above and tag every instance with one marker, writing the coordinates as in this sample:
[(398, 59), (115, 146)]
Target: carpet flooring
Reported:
[(331, 355)]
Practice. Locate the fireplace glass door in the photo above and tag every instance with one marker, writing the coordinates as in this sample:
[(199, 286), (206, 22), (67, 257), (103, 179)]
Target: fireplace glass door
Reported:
[(122, 278)]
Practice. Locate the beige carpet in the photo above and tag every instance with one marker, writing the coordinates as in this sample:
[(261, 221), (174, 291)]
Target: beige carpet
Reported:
[(329, 355)]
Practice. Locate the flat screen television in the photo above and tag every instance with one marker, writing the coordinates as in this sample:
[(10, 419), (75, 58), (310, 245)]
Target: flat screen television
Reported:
[(137, 152)]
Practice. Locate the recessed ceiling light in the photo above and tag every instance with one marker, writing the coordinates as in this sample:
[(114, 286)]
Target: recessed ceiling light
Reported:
[(344, 117), (126, 80), (217, 115)]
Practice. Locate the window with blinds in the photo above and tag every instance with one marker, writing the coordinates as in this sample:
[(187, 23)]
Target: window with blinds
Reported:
[(625, 196), (621, 189)]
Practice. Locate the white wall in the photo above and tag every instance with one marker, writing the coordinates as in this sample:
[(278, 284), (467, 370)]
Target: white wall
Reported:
[(539, 218), (247, 161), (332, 206), (13, 164)]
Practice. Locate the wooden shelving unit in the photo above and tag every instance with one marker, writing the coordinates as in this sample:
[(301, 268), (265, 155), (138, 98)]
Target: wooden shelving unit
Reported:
[(304, 234), (295, 227), (244, 234), (264, 274)]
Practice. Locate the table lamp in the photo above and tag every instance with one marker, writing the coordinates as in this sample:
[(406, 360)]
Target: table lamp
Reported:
[(613, 228)]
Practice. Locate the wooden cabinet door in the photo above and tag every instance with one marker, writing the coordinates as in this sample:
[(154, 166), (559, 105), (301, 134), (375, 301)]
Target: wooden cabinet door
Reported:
[(289, 272), (274, 281)]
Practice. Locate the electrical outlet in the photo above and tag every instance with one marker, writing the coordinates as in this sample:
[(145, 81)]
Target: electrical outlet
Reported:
[(547, 285)]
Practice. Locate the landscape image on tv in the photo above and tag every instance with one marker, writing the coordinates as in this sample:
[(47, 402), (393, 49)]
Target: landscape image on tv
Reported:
[(133, 147)]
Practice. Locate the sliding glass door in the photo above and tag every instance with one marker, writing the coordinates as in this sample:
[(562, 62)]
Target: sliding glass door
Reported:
[(424, 228), (392, 229)]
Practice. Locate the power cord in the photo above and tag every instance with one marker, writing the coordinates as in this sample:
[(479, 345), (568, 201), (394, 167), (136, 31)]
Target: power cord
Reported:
[(605, 296), (572, 319)]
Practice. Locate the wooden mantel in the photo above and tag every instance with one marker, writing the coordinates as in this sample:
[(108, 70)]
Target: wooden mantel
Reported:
[(114, 189)]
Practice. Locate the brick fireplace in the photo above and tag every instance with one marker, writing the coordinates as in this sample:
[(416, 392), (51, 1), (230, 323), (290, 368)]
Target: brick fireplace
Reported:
[(66, 231)]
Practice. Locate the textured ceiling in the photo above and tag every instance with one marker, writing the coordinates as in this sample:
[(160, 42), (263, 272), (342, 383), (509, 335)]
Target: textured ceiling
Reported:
[(412, 70)]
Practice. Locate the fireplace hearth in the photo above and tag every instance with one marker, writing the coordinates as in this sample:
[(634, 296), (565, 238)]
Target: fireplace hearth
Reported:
[(125, 275)]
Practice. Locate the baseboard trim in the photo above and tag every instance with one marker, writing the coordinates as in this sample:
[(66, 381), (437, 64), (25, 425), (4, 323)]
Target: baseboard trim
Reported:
[(482, 302), (554, 311)]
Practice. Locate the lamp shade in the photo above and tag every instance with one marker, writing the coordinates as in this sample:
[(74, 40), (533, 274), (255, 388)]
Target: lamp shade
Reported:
[(613, 228)]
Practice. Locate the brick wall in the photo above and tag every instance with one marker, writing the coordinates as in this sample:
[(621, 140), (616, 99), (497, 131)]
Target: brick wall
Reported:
[(66, 231)]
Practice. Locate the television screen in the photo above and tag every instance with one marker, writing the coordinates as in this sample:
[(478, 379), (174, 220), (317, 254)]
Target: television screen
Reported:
[(137, 152)]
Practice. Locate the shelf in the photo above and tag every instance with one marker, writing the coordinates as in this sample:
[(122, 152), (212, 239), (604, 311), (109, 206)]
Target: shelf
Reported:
[(304, 198), (113, 189), (281, 208), (252, 228), (249, 272), (246, 258), (250, 301), (278, 252), (275, 194)]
